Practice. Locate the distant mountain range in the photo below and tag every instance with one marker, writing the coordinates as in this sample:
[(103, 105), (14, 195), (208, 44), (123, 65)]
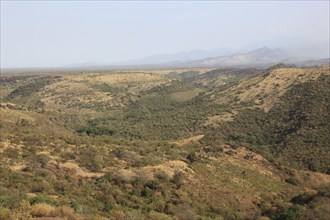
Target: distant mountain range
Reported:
[(262, 55), (277, 50), (181, 56), (239, 57), (298, 54)]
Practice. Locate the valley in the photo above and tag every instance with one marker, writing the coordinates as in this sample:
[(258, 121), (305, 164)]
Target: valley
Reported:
[(160, 144)]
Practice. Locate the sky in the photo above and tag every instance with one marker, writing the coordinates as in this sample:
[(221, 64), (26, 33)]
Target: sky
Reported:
[(59, 33)]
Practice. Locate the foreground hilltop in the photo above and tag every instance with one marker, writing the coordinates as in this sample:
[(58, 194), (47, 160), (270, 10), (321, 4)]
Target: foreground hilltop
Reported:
[(228, 143)]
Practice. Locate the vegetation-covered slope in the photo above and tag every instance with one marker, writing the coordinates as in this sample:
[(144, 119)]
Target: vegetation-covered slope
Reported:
[(171, 144), (295, 129)]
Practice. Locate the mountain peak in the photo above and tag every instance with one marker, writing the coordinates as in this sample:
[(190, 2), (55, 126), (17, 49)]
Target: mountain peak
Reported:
[(263, 55)]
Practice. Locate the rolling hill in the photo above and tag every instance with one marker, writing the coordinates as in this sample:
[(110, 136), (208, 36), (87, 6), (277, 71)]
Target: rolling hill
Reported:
[(220, 143)]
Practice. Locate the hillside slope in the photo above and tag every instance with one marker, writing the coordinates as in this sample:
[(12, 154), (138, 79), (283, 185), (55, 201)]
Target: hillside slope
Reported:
[(230, 143), (284, 112)]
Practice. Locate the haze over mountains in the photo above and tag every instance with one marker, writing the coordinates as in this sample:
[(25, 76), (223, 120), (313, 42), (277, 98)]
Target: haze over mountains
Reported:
[(265, 52), (181, 56), (259, 56), (223, 57), (254, 54)]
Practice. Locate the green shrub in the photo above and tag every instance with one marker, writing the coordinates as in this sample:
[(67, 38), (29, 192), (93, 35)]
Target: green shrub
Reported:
[(192, 157), (178, 178), (42, 199), (292, 181), (11, 152), (43, 159), (289, 213)]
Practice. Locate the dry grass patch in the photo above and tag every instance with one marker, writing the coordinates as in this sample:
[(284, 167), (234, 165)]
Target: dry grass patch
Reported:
[(72, 165), (94, 91), (167, 169), (46, 212), (186, 95), (18, 167), (313, 179), (265, 91), (190, 140), (13, 116), (277, 83), (43, 210), (225, 116), (241, 157), (5, 144), (170, 168)]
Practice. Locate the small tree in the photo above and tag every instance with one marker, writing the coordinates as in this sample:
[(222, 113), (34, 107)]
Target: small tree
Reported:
[(289, 213), (43, 159), (178, 178), (192, 157)]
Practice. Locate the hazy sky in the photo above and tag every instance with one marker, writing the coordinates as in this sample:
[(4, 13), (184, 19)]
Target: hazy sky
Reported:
[(43, 34)]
